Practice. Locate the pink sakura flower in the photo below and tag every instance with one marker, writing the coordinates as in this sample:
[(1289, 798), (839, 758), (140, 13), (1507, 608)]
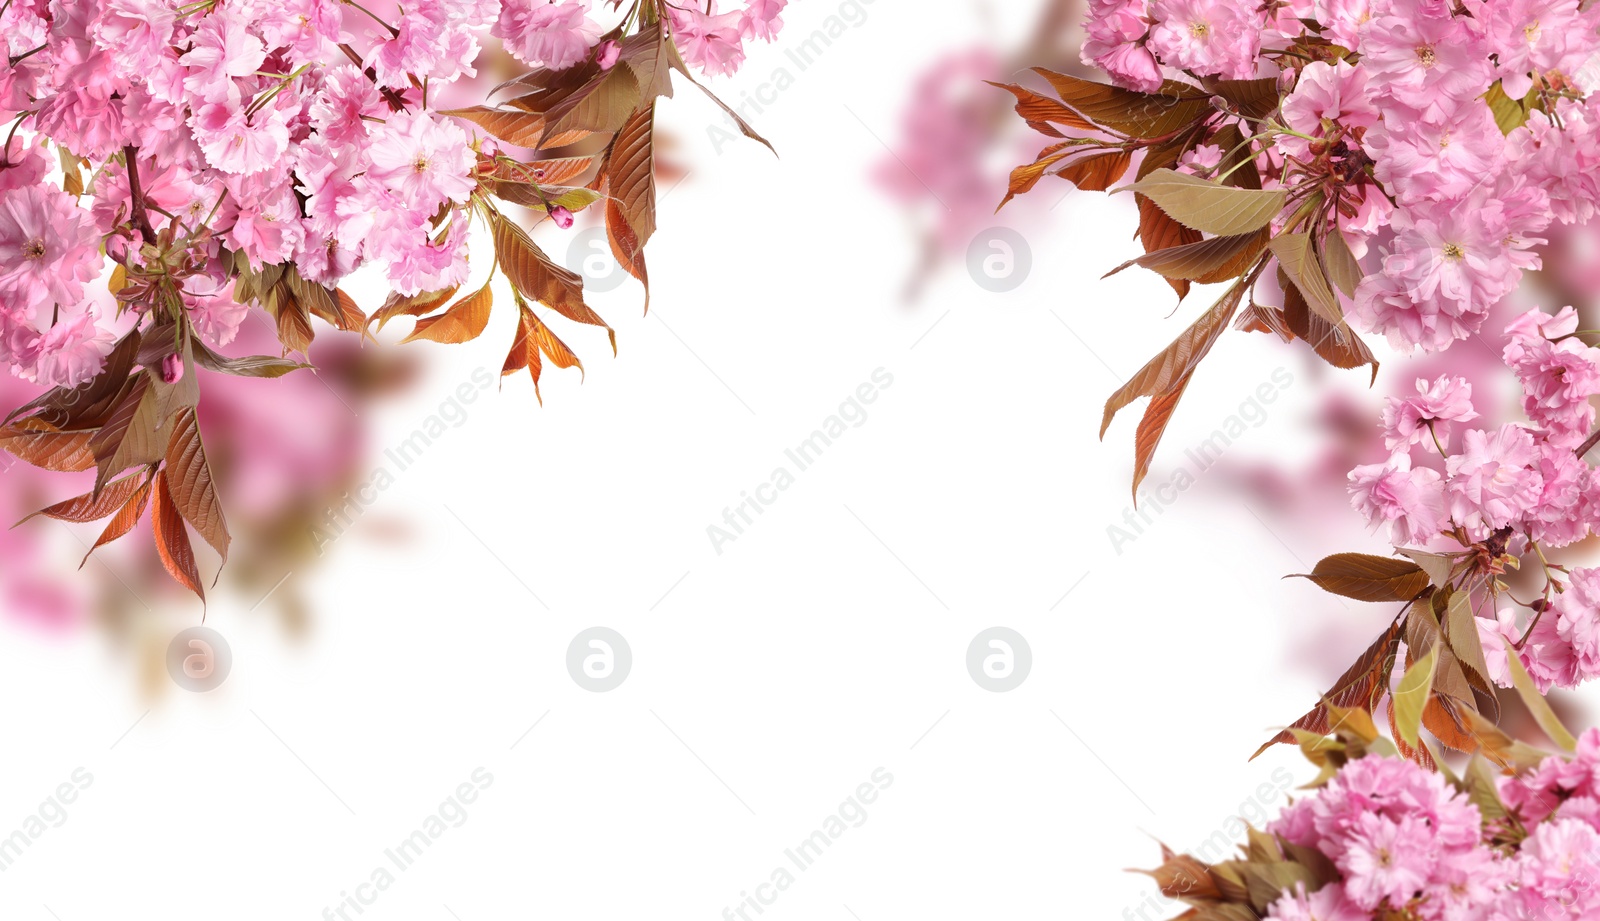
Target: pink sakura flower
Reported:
[(1410, 501), (1326, 904), (305, 27), (1535, 36), (1206, 37), (1200, 159), (138, 34), (607, 53), (1421, 58), (1406, 421), (342, 103), (1436, 160), (70, 352), (1564, 161), (213, 310), (265, 223), (1326, 93), (48, 248), (1559, 862), (1344, 19), (84, 119), (223, 50), (762, 19), (1387, 860), (1578, 621), (1567, 497), (709, 41), (1130, 64), (1494, 481), (547, 33), (427, 264), (1558, 374), (426, 161), (235, 144)]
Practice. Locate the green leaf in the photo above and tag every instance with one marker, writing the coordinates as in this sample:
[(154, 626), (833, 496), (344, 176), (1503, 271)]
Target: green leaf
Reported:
[(1535, 702), (1203, 205), (1300, 263), (1411, 697)]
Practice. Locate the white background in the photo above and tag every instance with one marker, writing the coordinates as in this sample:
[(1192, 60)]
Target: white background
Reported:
[(772, 679)]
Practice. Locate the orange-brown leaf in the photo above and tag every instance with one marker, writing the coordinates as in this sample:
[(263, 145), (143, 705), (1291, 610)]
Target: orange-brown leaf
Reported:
[(463, 322), (535, 277), (1170, 369), (38, 443), (1208, 261), (1362, 685), (89, 507), (1151, 426), (127, 516), (630, 174), (172, 540), (1096, 172), (188, 473), (415, 305)]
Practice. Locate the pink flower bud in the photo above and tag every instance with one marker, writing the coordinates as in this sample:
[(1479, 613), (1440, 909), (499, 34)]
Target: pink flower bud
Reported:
[(561, 216), (171, 369), (607, 53)]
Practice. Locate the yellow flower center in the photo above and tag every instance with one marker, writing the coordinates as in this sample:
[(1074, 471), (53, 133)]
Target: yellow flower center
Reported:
[(1454, 251), (1425, 55), (33, 249)]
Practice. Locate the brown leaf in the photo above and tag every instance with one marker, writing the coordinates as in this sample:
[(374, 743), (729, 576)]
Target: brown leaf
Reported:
[(1254, 98), (1170, 370), (1208, 261), (1025, 177), (1151, 426), (551, 345), (188, 473), (131, 436), (91, 400), (415, 305), (630, 174), (605, 103), (463, 322), (525, 351), (535, 277), (1096, 172), (744, 126), (1341, 348), (1140, 115), (625, 247), (89, 507), (1041, 111), (39, 443), (127, 516), (1362, 685), (648, 53), (1259, 318), (1368, 578), (516, 126), (172, 540)]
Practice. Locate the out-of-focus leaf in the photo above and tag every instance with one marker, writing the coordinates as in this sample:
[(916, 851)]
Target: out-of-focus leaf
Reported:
[(1535, 702)]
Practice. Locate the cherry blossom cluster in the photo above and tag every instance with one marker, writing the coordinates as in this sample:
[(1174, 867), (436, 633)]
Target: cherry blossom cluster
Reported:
[(196, 133), (1522, 487), (1445, 135), (1406, 843)]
